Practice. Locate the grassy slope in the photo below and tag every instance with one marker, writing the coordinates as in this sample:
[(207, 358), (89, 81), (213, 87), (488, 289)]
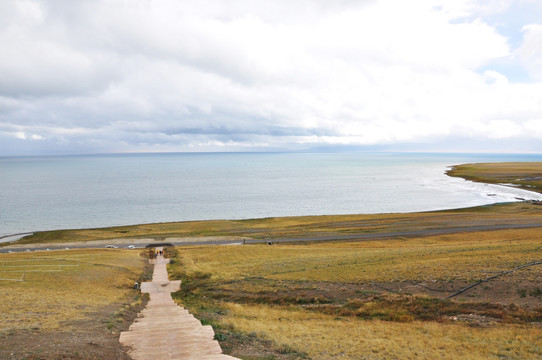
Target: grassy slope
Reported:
[(317, 299)]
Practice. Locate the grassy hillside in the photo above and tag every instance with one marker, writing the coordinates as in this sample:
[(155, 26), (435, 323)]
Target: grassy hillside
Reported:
[(379, 299)]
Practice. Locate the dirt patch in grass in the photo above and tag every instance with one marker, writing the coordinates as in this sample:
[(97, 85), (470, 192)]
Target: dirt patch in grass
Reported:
[(405, 308), (509, 290), (404, 301), (95, 337)]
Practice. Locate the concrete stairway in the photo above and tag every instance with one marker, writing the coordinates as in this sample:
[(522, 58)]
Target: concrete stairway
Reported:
[(165, 331)]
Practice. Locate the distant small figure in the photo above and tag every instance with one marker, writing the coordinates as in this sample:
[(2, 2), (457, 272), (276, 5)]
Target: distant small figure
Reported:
[(269, 243)]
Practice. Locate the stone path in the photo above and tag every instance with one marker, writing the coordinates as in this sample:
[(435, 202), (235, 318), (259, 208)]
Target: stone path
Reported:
[(165, 331)]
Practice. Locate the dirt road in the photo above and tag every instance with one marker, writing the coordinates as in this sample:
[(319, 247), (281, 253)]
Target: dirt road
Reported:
[(357, 236)]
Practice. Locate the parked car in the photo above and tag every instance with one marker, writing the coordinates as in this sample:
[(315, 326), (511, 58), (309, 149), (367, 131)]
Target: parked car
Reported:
[(111, 246), (130, 247)]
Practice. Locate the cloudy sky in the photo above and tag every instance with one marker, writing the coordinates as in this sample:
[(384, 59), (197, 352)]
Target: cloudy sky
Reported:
[(96, 76)]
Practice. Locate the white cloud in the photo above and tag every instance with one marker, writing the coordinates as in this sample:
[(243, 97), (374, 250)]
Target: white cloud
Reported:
[(179, 74), (530, 51), (534, 128), (502, 129)]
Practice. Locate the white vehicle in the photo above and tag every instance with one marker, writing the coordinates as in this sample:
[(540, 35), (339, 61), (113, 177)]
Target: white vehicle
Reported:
[(130, 247)]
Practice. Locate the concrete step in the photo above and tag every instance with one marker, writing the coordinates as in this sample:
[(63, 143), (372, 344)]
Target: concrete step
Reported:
[(165, 331)]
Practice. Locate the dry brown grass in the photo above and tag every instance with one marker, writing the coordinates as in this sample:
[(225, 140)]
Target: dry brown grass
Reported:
[(317, 298), (63, 286), (327, 337), (465, 257), (527, 175)]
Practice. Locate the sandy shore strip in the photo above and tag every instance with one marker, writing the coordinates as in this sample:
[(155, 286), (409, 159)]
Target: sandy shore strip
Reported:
[(14, 237)]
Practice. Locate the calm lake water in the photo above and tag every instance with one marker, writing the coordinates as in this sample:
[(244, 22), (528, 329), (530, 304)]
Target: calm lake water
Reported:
[(42, 193)]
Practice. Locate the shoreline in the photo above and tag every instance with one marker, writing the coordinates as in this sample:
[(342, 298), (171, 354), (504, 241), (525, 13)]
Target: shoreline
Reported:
[(14, 237), (475, 173), (509, 186), (303, 229)]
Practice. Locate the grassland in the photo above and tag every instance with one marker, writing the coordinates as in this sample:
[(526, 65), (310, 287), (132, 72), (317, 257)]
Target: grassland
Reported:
[(299, 227), (527, 175), (67, 304), (371, 300)]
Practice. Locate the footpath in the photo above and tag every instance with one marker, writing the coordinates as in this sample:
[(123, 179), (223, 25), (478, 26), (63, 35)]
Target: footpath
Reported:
[(165, 331)]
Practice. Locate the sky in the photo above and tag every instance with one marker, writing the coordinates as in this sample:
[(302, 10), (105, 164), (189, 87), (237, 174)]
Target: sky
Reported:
[(97, 76)]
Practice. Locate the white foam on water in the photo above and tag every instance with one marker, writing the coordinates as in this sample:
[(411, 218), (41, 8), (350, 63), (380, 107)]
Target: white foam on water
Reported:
[(472, 193)]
